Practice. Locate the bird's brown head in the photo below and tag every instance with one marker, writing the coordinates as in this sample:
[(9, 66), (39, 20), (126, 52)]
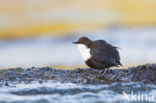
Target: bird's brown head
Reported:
[(84, 40)]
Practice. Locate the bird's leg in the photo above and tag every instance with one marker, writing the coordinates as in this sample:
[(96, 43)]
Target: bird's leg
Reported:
[(103, 71), (100, 72), (109, 70)]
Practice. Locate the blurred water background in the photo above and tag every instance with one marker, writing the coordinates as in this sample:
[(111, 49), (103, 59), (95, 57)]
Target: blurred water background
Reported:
[(137, 46), (40, 33)]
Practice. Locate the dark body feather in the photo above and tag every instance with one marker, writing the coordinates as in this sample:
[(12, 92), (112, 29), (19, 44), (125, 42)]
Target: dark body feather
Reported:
[(103, 55)]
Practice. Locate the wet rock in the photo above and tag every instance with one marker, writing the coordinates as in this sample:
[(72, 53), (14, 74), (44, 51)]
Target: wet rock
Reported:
[(144, 74)]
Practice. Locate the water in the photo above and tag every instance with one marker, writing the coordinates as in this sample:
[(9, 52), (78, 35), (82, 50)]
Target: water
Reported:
[(56, 92), (137, 46)]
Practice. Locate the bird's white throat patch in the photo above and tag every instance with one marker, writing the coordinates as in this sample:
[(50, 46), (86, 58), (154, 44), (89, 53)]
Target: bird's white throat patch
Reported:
[(85, 52)]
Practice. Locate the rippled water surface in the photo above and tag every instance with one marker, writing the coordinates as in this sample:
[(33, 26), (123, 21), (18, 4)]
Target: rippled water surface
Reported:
[(55, 92)]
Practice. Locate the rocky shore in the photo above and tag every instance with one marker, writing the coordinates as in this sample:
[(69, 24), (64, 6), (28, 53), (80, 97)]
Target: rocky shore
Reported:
[(143, 74)]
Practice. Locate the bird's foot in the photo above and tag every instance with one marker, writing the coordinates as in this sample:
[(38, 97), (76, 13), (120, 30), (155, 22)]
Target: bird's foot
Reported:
[(103, 72), (109, 70)]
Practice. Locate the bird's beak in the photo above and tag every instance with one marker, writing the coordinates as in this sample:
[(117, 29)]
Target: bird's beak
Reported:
[(75, 42)]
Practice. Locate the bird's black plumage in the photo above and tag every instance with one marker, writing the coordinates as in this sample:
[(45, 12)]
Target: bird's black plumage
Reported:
[(103, 55)]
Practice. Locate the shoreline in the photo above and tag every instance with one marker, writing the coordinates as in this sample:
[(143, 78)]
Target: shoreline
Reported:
[(145, 74)]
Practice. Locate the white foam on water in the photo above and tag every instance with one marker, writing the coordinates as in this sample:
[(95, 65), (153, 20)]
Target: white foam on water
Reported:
[(70, 93)]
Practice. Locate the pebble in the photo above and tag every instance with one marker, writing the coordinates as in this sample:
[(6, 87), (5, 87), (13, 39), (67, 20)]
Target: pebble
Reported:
[(144, 74)]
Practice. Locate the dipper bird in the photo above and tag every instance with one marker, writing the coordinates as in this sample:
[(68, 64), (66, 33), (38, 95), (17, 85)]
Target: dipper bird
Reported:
[(98, 54)]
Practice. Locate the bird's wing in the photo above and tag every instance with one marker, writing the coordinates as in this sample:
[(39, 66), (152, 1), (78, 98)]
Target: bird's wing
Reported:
[(105, 53)]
